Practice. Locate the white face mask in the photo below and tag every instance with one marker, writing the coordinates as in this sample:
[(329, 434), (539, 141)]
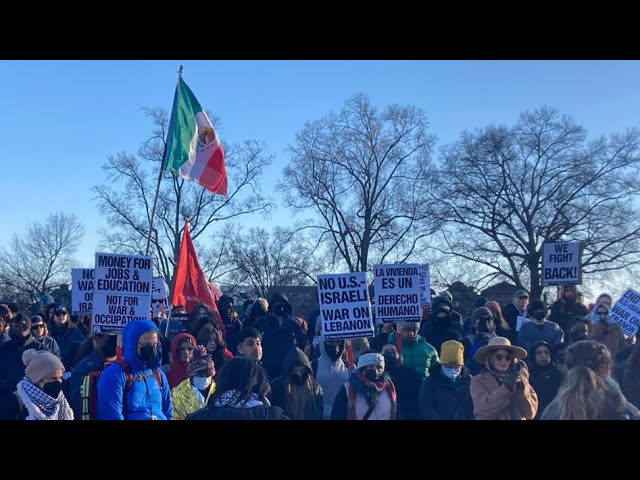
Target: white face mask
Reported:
[(201, 382), (451, 373)]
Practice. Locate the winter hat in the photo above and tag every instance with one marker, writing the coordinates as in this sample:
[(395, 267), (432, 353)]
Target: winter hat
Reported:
[(452, 352), (498, 343), (200, 363), (46, 300), (447, 295), (39, 364), (370, 359), (402, 325), (481, 312)]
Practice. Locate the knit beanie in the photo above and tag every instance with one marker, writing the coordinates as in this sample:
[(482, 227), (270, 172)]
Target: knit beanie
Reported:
[(452, 353), (402, 325), (200, 363), (39, 364)]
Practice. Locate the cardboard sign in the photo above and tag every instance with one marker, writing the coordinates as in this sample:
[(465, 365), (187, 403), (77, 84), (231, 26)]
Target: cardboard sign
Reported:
[(562, 263), (82, 291), (626, 312), (122, 291), (425, 285), (345, 308), (398, 293)]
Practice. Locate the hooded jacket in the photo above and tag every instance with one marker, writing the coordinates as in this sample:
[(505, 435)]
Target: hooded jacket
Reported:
[(278, 337), (178, 369), (313, 409), (331, 375), (144, 400)]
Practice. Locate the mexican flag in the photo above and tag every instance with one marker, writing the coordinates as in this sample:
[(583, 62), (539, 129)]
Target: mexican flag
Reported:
[(194, 151)]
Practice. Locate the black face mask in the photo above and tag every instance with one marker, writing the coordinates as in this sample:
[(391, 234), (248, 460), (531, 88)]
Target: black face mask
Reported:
[(147, 353), (371, 375), (297, 378), (333, 351), (108, 348), (578, 336), (52, 388), (390, 360)]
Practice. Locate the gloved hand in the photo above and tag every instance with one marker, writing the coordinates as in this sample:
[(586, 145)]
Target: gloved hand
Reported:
[(511, 379)]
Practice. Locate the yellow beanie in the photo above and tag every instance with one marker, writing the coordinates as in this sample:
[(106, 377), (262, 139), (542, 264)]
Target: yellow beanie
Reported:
[(452, 353)]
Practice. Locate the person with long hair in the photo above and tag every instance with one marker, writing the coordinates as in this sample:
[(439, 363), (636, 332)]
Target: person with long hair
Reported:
[(213, 341), (296, 391), (241, 394), (588, 392), (502, 327), (502, 390)]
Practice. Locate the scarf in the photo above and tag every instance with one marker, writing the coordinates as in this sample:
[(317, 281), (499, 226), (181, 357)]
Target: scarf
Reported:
[(358, 384), (40, 405), (298, 396), (231, 398)]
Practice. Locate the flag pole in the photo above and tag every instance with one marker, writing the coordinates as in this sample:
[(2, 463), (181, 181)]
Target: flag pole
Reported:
[(155, 199)]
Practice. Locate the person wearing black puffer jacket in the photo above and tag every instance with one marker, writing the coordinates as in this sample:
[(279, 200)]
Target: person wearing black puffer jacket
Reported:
[(446, 393), (280, 333)]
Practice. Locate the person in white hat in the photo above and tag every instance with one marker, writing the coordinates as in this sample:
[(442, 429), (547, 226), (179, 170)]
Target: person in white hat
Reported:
[(369, 394), (502, 390)]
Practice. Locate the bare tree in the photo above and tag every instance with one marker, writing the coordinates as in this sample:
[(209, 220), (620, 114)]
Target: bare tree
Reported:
[(127, 199), (266, 261), (364, 174), (506, 191), (41, 258)]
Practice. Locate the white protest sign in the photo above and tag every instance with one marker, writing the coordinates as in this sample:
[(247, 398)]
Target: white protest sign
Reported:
[(425, 285), (122, 291), (562, 263), (82, 291), (398, 292), (159, 298), (626, 312), (345, 309)]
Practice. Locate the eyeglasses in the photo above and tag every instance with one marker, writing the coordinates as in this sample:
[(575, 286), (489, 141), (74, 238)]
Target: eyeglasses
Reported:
[(37, 327), (500, 357)]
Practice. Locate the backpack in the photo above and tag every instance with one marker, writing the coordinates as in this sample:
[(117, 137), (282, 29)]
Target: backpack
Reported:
[(89, 388)]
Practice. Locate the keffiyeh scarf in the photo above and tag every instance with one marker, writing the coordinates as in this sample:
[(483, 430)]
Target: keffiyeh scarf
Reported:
[(231, 398), (40, 405)]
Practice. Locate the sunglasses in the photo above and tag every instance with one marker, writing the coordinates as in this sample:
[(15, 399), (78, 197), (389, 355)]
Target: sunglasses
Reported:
[(500, 357)]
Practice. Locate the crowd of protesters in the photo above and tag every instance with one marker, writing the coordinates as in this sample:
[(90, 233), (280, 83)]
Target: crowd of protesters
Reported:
[(520, 361)]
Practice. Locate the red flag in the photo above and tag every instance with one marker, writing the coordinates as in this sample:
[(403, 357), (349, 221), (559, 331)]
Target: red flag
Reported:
[(190, 285)]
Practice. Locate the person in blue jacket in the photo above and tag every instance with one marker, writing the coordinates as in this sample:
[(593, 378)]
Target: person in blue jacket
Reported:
[(146, 395)]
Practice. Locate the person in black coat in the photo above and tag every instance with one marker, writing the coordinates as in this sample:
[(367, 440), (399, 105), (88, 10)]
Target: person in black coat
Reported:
[(406, 380), (241, 394), (11, 366), (280, 333), (297, 392), (544, 376), (446, 393)]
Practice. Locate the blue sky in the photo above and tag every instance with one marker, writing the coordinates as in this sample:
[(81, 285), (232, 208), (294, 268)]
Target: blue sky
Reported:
[(60, 119)]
